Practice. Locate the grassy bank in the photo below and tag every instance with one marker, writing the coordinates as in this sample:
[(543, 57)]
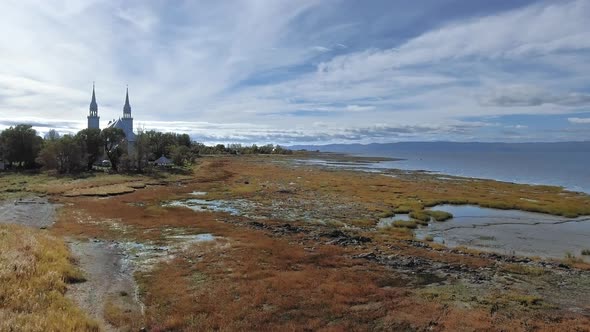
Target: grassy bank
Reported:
[(34, 270)]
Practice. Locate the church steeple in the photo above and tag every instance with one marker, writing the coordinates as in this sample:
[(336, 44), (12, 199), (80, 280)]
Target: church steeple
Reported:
[(93, 118), (93, 104), (127, 107)]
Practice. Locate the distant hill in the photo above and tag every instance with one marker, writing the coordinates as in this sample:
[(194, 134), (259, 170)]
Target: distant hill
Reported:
[(380, 148)]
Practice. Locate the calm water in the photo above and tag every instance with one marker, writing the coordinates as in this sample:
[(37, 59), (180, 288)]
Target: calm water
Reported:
[(511, 231), (560, 164), (567, 169)]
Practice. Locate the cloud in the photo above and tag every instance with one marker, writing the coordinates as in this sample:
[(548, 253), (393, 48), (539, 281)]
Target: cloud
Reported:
[(579, 120), (286, 66), (518, 96), (534, 30)]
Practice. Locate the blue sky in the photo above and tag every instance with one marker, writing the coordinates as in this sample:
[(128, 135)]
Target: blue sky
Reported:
[(308, 71)]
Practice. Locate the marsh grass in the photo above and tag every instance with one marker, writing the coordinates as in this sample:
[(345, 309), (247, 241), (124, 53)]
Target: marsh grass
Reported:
[(420, 215), (522, 269), (570, 258), (411, 224), (121, 316), (34, 270), (440, 215)]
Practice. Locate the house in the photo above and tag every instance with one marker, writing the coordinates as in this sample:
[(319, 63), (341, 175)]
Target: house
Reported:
[(163, 162)]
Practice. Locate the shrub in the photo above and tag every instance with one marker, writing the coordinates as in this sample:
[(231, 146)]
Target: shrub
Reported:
[(586, 252)]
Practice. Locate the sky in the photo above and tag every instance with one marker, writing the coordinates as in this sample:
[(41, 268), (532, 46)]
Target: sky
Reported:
[(303, 71)]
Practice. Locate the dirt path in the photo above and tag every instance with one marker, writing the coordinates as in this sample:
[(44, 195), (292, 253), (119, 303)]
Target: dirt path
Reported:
[(107, 269), (35, 212), (109, 281)]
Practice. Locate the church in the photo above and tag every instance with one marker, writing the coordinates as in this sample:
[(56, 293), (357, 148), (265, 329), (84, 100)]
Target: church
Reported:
[(124, 123)]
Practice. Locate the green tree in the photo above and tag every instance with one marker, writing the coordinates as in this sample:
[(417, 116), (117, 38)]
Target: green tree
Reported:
[(113, 140), (181, 154), (183, 139), (142, 149), (92, 145), (52, 135), (21, 145), (63, 154)]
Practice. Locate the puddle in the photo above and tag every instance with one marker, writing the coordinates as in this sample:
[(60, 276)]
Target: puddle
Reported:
[(194, 238), (201, 205), (199, 193), (510, 231), (386, 222)]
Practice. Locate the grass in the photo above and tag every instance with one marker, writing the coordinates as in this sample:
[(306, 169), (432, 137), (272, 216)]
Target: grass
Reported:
[(19, 184), (405, 224), (440, 215), (522, 269), (34, 271), (121, 317), (572, 259), (420, 215)]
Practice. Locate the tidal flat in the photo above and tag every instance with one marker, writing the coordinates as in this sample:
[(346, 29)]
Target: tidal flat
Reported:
[(282, 245)]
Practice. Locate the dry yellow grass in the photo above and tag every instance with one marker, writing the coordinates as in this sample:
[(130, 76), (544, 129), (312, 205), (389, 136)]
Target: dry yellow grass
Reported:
[(34, 270)]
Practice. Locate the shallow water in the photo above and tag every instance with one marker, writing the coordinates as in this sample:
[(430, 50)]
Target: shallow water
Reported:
[(386, 222), (201, 205), (510, 231)]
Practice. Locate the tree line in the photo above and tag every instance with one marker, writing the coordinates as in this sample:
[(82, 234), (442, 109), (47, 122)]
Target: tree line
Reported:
[(22, 147)]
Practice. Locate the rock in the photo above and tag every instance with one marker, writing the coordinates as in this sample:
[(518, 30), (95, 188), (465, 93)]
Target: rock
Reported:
[(369, 255), (256, 224)]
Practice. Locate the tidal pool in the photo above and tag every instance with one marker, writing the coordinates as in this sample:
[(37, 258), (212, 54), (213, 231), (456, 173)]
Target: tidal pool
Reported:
[(386, 222), (510, 231), (196, 204)]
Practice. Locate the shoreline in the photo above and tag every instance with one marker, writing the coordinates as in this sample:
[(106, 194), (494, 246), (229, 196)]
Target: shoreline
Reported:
[(343, 157)]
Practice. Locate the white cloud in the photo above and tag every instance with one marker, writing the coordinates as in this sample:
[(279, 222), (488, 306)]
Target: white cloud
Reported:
[(534, 30), (523, 95), (579, 120), (197, 62)]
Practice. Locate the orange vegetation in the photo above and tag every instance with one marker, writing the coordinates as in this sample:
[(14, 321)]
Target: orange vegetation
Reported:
[(256, 279)]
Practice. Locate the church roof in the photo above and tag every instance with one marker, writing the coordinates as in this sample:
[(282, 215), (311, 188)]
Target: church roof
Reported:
[(120, 123)]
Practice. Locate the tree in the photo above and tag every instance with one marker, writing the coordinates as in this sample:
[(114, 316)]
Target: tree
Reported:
[(142, 149), (112, 140), (183, 139), (52, 135), (181, 154), (63, 154), (48, 155), (69, 154), (92, 145), (21, 145)]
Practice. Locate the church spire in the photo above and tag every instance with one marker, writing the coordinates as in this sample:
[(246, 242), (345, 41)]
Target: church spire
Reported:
[(93, 118), (93, 105), (127, 107)]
